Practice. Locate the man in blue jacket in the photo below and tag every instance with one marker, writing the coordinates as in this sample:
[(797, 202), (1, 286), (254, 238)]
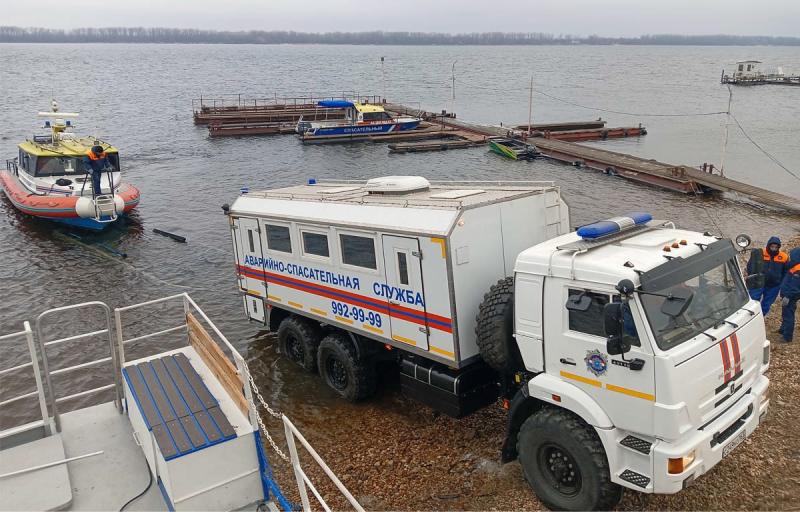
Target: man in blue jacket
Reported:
[(95, 162), (790, 295), (775, 264)]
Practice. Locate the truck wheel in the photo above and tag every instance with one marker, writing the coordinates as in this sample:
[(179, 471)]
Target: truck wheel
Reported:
[(495, 325), (298, 339), (564, 462), (341, 369)]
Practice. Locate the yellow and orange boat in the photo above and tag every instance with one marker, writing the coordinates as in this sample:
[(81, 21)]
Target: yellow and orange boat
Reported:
[(50, 178)]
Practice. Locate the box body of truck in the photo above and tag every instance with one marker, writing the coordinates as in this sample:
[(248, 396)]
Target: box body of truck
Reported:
[(398, 260)]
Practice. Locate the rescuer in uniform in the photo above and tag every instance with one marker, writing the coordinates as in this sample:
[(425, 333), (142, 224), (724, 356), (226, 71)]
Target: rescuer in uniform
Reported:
[(773, 267), (95, 162), (790, 295)]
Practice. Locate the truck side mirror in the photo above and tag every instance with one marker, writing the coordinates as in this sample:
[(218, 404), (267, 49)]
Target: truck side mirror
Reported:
[(612, 322), (580, 302)]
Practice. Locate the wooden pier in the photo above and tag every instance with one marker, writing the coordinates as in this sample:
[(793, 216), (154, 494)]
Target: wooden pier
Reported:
[(680, 178)]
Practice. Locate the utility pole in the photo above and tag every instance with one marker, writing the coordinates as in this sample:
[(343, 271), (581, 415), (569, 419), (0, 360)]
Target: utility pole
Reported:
[(454, 81), (530, 108), (725, 141)]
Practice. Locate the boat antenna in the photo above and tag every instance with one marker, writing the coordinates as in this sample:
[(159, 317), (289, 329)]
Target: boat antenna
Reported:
[(383, 77), (725, 140), (530, 108)]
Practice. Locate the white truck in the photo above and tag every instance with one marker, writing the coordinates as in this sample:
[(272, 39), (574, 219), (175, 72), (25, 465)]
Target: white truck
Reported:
[(628, 353)]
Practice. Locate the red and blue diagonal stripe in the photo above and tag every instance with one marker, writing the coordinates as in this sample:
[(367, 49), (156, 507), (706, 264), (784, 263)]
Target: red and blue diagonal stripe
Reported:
[(416, 316)]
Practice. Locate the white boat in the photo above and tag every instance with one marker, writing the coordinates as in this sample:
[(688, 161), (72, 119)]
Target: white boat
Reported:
[(51, 178), (361, 119), (182, 432)]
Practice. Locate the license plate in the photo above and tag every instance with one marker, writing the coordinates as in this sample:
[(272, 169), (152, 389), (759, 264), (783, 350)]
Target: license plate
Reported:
[(733, 444)]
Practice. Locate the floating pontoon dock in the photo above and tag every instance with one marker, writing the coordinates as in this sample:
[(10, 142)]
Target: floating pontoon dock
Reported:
[(748, 72), (680, 178)]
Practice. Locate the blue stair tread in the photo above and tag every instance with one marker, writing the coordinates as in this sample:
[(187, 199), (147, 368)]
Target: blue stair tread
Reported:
[(177, 406)]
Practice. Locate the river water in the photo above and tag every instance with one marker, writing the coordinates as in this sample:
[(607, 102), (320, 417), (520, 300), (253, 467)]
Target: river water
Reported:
[(139, 98)]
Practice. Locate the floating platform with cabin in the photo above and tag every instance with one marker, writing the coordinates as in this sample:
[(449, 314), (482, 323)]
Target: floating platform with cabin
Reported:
[(748, 72)]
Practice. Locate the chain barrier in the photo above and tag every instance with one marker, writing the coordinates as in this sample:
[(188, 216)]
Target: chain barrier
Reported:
[(269, 409)]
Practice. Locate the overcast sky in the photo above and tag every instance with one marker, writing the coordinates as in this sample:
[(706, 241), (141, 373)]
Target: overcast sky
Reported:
[(577, 17)]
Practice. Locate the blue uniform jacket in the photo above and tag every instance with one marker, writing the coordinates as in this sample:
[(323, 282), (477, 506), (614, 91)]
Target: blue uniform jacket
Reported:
[(775, 266), (790, 287)]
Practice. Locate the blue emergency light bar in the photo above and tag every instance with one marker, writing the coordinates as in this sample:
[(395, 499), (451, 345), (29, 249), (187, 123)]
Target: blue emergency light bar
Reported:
[(610, 226)]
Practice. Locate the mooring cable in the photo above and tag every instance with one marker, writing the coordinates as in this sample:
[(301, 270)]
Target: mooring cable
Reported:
[(767, 153)]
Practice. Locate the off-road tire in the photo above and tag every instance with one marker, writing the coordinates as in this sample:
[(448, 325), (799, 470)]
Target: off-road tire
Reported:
[(341, 369), (495, 328), (299, 339), (556, 431)]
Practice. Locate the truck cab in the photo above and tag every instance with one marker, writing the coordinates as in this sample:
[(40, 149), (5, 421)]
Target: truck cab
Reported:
[(642, 361)]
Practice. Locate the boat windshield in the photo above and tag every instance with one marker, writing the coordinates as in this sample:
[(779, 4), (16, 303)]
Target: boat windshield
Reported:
[(65, 165), (716, 294), (376, 116)]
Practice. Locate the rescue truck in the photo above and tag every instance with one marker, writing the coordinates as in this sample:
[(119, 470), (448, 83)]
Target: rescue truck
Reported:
[(628, 351)]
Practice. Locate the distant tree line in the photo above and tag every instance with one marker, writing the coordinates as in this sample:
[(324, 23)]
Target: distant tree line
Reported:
[(195, 36)]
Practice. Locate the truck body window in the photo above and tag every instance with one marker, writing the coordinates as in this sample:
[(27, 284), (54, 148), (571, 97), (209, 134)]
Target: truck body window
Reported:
[(402, 267), (315, 244), (250, 239), (278, 238), (591, 320), (358, 251)]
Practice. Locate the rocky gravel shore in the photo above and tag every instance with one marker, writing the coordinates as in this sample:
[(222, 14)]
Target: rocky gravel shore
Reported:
[(399, 455)]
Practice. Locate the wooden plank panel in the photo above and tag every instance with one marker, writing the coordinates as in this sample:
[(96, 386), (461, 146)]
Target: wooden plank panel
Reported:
[(184, 387), (164, 409), (212, 433), (196, 383), (217, 362), (173, 395), (222, 422), (164, 441), (142, 397)]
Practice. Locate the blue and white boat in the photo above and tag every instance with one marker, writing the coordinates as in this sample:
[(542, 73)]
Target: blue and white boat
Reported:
[(361, 120)]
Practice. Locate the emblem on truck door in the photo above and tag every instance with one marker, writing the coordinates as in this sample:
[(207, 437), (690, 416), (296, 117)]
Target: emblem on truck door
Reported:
[(596, 362)]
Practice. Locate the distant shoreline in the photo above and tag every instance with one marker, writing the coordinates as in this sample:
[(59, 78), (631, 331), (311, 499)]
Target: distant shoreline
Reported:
[(140, 35)]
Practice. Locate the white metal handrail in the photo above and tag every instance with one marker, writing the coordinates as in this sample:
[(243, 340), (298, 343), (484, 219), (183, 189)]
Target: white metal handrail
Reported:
[(27, 333), (112, 357), (302, 479)]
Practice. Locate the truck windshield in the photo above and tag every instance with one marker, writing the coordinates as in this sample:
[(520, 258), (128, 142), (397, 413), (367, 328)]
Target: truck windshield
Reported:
[(717, 294)]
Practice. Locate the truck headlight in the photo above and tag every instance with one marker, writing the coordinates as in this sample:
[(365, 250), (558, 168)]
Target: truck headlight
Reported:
[(766, 354), (679, 465)]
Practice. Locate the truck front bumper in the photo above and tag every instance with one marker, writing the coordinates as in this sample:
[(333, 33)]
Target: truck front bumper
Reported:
[(711, 443)]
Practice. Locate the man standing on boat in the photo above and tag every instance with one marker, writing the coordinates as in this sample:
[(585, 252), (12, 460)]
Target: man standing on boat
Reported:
[(95, 163), (773, 266)]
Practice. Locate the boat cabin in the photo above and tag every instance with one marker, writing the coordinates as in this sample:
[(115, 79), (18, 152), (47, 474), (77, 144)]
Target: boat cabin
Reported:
[(368, 113), (44, 157), (747, 69)]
